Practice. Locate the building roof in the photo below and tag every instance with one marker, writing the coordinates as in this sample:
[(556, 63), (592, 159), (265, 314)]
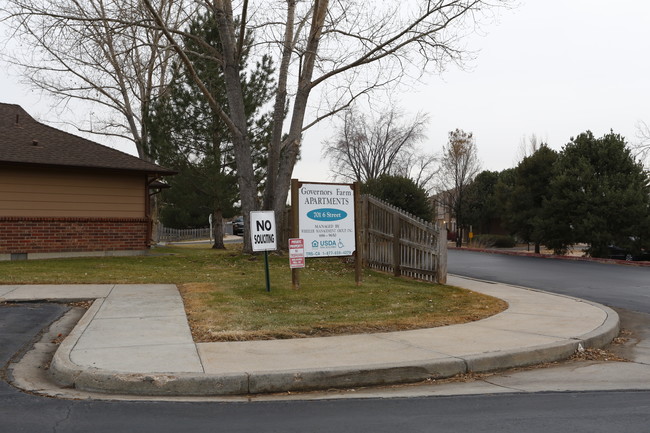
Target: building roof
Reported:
[(23, 140)]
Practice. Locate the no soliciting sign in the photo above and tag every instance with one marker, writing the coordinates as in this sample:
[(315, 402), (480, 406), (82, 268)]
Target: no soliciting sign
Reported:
[(263, 236)]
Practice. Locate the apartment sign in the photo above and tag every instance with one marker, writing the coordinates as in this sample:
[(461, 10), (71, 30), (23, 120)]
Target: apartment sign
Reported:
[(326, 219)]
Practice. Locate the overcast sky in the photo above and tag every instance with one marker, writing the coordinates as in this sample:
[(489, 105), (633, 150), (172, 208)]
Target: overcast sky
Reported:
[(552, 68)]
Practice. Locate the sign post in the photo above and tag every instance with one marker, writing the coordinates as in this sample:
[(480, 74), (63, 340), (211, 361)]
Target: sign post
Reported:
[(210, 220), (295, 272), (263, 237)]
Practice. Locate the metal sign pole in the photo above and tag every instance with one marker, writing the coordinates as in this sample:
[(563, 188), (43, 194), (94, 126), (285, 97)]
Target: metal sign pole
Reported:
[(266, 267)]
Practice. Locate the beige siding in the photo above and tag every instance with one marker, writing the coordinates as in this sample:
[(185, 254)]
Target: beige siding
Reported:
[(53, 193)]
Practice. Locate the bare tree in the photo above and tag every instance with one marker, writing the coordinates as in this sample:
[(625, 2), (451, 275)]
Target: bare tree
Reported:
[(642, 148), (422, 168), (364, 149), (91, 51), (342, 49), (459, 166), (528, 146)]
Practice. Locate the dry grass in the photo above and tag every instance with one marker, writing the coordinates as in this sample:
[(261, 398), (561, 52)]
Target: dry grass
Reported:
[(225, 297)]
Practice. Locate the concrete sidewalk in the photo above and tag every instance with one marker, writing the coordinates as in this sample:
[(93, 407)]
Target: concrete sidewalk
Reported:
[(135, 339)]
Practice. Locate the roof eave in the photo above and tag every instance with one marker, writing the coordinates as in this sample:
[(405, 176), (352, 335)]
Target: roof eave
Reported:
[(158, 172)]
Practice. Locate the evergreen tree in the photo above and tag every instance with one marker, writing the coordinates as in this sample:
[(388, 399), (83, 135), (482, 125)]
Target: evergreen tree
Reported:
[(402, 192), (481, 206), (523, 206), (599, 195), (187, 136)]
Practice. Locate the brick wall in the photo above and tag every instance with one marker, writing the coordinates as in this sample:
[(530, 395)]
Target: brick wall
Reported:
[(51, 235)]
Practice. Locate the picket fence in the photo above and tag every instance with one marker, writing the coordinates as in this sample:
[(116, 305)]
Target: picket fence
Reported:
[(398, 242), (166, 234)]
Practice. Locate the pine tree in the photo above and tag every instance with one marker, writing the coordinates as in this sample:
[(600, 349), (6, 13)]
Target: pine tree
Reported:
[(525, 202), (599, 195), (187, 136), (402, 192), (481, 208)]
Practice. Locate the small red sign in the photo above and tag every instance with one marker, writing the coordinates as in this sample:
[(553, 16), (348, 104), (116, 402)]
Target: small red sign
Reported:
[(296, 253)]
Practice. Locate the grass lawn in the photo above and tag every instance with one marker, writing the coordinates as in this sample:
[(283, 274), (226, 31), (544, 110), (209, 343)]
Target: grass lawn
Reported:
[(226, 299)]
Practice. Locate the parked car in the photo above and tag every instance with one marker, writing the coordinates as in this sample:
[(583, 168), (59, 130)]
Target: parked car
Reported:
[(619, 253), (238, 226)]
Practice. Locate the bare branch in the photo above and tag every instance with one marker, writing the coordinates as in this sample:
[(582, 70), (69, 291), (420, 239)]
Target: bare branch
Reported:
[(459, 166), (114, 53), (99, 51), (642, 147), (366, 149), (214, 104)]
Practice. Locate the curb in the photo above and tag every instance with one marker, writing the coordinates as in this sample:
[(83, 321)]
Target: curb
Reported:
[(354, 377), (69, 374), (160, 384), (62, 369), (604, 334)]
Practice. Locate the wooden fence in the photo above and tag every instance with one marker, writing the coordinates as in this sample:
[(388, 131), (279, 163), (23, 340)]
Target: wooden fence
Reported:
[(395, 241)]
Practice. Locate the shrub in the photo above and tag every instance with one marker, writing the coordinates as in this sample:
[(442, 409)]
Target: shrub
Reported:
[(497, 241)]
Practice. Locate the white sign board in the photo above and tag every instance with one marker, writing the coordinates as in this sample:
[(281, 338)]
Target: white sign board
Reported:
[(263, 236), (296, 253), (326, 219)]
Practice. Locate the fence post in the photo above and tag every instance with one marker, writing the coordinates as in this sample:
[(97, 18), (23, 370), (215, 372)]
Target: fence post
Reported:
[(441, 256), (365, 232), (397, 256), (358, 254)]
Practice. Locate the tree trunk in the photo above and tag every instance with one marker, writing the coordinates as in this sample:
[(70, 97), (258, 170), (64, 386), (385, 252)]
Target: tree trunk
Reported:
[(290, 149), (459, 230), (217, 230), (237, 113), (275, 146)]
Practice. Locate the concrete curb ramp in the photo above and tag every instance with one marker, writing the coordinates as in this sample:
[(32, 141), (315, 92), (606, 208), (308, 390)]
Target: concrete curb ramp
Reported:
[(135, 340)]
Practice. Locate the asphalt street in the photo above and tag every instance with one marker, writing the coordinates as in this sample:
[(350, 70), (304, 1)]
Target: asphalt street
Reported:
[(611, 411), (614, 285), (509, 413)]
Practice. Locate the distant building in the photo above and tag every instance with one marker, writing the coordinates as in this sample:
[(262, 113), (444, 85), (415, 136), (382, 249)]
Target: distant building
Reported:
[(442, 213), (63, 195)]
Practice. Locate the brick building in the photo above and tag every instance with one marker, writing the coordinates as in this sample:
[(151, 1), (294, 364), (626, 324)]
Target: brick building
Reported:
[(63, 195)]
